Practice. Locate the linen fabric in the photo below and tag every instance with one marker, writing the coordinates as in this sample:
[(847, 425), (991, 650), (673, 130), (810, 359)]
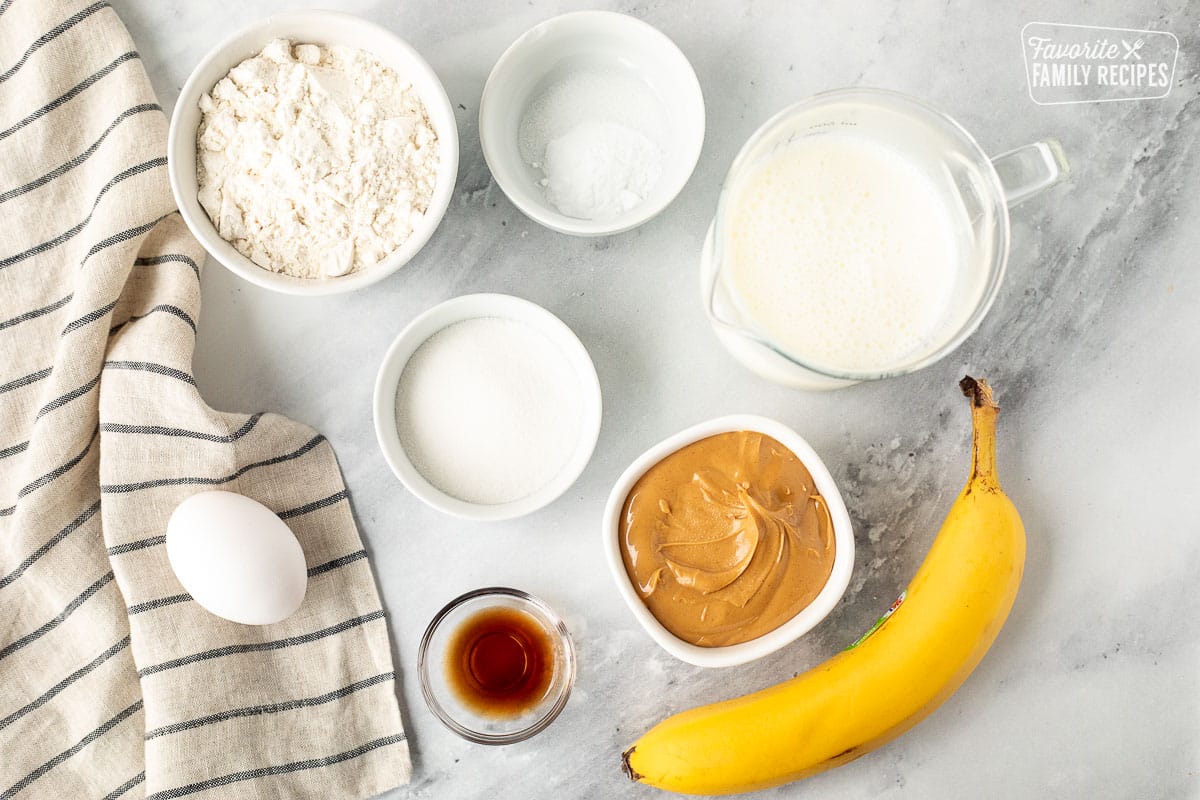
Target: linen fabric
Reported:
[(113, 681)]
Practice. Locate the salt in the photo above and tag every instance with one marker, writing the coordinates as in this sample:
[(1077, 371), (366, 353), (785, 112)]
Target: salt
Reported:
[(596, 135), (489, 410)]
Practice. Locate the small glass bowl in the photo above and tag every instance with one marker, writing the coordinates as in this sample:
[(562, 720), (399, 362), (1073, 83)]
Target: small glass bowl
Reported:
[(459, 717)]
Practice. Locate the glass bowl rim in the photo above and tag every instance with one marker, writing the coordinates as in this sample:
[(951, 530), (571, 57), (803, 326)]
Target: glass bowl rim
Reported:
[(558, 629)]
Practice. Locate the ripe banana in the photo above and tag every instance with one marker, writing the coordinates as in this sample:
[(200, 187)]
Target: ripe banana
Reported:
[(887, 682)]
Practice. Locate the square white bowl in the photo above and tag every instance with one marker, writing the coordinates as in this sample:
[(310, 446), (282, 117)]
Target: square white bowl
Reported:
[(474, 306), (807, 618), (323, 28)]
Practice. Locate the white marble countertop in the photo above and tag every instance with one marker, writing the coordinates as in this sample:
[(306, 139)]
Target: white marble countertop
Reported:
[(1093, 688)]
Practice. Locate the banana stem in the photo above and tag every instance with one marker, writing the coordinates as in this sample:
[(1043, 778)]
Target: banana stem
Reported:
[(983, 422)]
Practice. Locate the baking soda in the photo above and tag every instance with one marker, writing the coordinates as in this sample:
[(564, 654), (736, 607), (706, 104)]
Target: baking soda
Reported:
[(596, 136), (489, 410)]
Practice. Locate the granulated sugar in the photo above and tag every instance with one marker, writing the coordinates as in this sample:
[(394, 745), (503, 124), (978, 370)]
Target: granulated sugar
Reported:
[(489, 410)]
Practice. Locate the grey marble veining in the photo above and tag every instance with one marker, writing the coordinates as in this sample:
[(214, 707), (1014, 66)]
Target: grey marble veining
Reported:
[(1093, 688)]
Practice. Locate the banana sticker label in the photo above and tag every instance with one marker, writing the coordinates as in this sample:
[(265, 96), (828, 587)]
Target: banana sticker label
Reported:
[(879, 622)]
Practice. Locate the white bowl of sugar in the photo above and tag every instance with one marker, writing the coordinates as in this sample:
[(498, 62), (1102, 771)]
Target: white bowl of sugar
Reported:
[(592, 122), (487, 407)]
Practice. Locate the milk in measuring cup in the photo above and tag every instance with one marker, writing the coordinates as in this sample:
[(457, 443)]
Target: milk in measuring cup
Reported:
[(844, 253)]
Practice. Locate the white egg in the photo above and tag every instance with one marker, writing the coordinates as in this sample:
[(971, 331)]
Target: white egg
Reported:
[(236, 558)]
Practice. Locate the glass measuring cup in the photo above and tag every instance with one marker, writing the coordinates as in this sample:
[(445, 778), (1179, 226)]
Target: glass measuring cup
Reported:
[(978, 190)]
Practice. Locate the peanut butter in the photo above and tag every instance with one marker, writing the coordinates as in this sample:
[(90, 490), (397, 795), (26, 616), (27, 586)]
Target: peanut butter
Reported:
[(727, 538)]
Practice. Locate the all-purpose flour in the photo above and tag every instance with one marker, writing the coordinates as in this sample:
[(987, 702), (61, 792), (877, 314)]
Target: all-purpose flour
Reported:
[(315, 161)]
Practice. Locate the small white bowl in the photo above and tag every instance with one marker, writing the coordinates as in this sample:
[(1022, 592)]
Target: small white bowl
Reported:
[(589, 38), (797, 626), (324, 28), (474, 306)]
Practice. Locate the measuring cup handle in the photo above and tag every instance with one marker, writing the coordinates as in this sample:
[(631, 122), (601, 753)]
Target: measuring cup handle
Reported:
[(1031, 169)]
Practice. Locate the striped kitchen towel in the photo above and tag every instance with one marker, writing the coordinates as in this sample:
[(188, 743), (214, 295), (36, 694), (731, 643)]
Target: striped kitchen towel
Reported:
[(113, 682)]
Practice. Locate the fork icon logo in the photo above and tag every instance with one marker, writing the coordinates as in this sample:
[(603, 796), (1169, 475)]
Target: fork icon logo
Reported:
[(1132, 49)]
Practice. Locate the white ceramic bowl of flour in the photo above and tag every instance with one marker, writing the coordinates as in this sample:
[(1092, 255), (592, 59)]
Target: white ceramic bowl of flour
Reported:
[(554, 88), (324, 28), (487, 407)]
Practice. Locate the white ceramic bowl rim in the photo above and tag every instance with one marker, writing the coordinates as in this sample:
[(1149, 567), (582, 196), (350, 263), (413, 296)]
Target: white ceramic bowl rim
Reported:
[(807, 618), (544, 213), (323, 27), (473, 306)]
